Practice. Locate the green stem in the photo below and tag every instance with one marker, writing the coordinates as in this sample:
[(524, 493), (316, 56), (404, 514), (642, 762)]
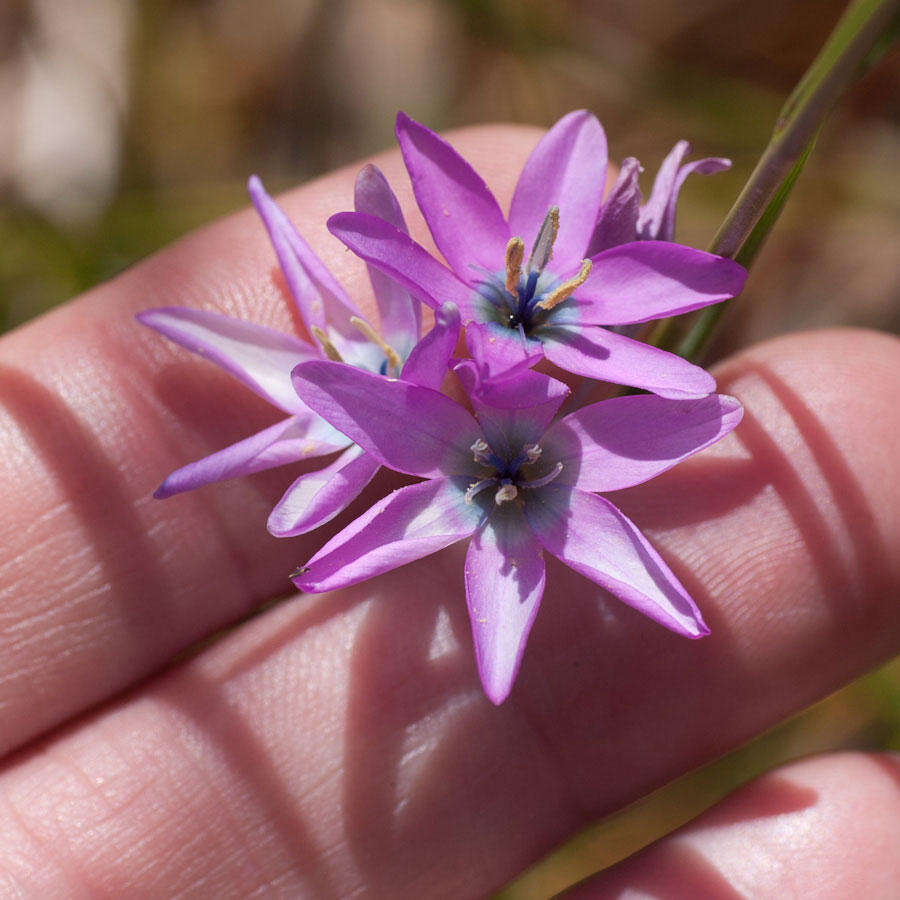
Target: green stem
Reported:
[(857, 37)]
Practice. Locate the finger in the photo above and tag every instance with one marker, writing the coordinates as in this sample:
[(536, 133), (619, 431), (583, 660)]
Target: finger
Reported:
[(342, 743), (823, 827), (100, 583)]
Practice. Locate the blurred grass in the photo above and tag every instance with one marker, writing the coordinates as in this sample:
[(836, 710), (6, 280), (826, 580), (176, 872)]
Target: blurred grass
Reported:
[(42, 264)]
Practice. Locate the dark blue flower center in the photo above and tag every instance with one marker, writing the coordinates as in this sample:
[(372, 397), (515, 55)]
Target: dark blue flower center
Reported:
[(507, 478), (523, 298), (520, 310)]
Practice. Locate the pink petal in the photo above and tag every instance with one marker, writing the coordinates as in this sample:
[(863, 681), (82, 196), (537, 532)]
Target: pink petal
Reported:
[(317, 497), (504, 586), (589, 534), (500, 352), (259, 357), (515, 411), (656, 220), (628, 440), (428, 361), (617, 222), (407, 524), (462, 214), (399, 315), (320, 300), (566, 169), (647, 280), (601, 354), (313, 287), (401, 258), (299, 437), (408, 428)]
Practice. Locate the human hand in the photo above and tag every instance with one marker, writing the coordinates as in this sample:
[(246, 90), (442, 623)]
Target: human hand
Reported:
[(341, 743)]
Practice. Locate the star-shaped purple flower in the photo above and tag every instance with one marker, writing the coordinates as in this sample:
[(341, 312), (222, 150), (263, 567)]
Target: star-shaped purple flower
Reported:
[(556, 301), (263, 359), (516, 483)]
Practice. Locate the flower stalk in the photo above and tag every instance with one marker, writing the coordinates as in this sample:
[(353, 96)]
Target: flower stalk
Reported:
[(857, 42)]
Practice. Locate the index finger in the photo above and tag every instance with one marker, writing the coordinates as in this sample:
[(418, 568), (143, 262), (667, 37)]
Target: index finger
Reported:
[(101, 584)]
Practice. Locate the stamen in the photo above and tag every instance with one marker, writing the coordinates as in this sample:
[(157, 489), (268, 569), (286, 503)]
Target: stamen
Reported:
[(477, 487), (481, 451), (327, 346), (532, 452), (505, 493), (515, 253), (543, 244), (393, 357), (546, 479), (567, 288)]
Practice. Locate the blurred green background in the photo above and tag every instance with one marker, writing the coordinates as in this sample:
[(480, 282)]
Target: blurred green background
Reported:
[(125, 124)]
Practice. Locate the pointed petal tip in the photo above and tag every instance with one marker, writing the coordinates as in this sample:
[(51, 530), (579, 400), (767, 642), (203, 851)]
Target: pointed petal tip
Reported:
[(496, 693), (447, 313), (163, 492), (698, 389), (277, 529), (261, 200), (403, 122), (149, 317), (338, 220), (299, 582), (369, 177)]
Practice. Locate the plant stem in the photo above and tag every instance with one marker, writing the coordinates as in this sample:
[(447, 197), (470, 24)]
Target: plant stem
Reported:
[(845, 55)]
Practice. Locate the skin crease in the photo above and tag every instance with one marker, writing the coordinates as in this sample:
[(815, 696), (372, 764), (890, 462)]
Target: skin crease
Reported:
[(340, 743)]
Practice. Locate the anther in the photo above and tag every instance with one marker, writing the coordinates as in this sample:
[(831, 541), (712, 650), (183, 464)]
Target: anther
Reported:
[(515, 253), (481, 451), (543, 244), (393, 357), (329, 348), (565, 290), (532, 452), (505, 493)]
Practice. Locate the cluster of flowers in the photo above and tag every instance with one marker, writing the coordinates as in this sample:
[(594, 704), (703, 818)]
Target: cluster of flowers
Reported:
[(505, 470)]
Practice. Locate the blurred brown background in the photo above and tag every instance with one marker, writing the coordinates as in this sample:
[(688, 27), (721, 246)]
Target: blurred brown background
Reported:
[(125, 124)]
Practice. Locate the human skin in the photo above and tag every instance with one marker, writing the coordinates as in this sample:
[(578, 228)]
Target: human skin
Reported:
[(340, 743)]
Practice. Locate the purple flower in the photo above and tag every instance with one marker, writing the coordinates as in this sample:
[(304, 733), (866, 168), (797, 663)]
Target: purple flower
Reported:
[(515, 482), (623, 218), (263, 359), (555, 302)]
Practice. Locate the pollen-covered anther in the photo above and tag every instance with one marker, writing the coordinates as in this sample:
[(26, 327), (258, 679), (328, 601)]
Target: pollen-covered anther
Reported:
[(515, 253), (327, 347), (565, 290), (506, 493), (481, 451), (393, 357), (532, 452)]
